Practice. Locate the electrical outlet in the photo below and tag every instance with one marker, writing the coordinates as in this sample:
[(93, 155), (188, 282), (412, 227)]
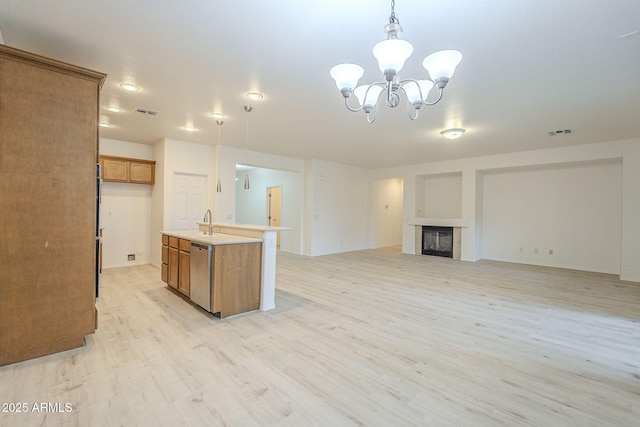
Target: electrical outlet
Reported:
[(131, 257)]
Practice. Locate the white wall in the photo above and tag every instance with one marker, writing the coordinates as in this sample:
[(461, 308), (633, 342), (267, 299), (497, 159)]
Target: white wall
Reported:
[(473, 213), (442, 196), (575, 211), (387, 212), (340, 208), (251, 205), (125, 212)]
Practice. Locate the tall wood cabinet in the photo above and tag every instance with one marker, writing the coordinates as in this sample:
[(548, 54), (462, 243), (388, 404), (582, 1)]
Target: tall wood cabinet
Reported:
[(48, 212)]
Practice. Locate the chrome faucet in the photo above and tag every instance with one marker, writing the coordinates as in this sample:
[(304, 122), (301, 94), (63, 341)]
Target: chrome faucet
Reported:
[(207, 217)]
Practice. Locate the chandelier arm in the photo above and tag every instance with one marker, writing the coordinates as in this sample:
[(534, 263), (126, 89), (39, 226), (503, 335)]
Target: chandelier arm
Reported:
[(375, 114), (346, 103), (437, 100), (403, 81), (404, 92)]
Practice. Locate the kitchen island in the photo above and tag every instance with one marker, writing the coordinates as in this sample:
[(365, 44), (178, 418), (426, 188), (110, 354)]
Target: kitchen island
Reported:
[(222, 273), (269, 237)]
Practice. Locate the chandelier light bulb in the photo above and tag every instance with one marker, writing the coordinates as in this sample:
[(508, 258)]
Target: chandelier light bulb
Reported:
[(346, 76), (442, 64), (371, 96), (391, 56), (417, 91)]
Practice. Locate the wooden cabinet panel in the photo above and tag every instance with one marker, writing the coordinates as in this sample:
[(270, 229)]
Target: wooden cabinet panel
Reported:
[(124, 169), (184, 280), (176, 263), (164, 272), (236, 274), (185, 245), (174, 267), (49, 150), (141, 172), (165, 254), (114, 169)]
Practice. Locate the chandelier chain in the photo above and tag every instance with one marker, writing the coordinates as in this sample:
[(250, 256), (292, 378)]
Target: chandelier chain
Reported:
[(392, 18)]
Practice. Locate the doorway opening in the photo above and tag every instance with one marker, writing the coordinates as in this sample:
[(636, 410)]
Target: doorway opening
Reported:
[(274, 209)]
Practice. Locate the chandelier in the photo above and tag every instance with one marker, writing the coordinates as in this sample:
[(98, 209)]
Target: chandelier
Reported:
[(391, 55)]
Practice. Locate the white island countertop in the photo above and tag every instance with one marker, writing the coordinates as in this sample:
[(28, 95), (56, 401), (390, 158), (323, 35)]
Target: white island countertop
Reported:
[(213, 239), (250, 227)]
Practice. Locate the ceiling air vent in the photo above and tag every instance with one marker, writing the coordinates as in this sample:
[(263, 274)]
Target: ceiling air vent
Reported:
[(146, 111), (559, 132)]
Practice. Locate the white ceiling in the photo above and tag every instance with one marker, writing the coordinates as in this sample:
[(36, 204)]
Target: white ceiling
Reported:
[(528, 67)]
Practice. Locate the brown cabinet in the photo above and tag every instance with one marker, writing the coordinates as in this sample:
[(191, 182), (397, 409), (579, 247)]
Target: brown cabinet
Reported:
[(236, 278), (165, 258), (124, 169), (183, 282), (236, 274), (48, 156), (175, 263)]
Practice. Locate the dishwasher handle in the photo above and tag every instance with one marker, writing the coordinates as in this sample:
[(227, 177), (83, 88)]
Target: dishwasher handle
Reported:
[(202, 246)]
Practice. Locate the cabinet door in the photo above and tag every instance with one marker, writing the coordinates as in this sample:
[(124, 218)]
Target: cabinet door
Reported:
[(165, 261), (165, 272), (141, 173), (174, 267), (184, 282), (115, 170)]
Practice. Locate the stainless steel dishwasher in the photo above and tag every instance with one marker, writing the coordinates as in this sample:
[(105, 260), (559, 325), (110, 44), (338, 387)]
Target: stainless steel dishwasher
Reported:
[(200, 274)]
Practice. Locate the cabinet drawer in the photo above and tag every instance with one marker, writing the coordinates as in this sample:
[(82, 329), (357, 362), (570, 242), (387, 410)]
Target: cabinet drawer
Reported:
[(185, 245), (173, 241), (165, 239)]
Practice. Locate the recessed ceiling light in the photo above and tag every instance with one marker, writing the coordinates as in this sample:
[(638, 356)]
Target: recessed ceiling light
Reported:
[(189, 128), (453, 133), (216, 115), (129, 87), (254, 95), (105, 125), (113, 109)]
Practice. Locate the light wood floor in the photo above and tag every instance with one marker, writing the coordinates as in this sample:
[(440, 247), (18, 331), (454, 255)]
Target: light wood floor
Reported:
[(372, 338)]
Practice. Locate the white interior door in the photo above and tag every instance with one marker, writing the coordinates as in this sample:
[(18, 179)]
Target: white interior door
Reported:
[(274, 208), (189, 200)]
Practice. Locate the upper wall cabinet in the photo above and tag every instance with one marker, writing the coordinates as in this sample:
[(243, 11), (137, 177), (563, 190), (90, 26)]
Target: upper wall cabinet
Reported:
[(124, 169)]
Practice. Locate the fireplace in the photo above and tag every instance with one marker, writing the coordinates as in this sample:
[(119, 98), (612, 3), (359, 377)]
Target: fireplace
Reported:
[(437, 241)]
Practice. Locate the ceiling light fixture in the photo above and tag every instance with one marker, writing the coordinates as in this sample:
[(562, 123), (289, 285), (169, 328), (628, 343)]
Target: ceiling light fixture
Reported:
[(254, 96), (391, 55), (104, 125), (247, 109), (189, 128), (217, 116), (453, 133), (218, 183), (113, 109), (129, 87)]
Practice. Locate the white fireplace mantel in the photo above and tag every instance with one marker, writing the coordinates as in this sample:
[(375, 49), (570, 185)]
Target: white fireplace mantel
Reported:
[(439, 222)]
